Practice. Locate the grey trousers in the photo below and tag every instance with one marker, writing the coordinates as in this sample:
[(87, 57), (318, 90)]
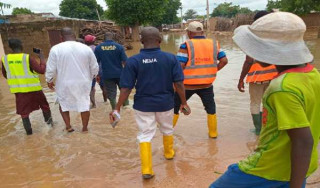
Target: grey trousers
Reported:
[(111, 88)]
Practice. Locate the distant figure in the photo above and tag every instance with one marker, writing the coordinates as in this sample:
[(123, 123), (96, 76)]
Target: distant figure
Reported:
[(21, 72), (201, 59), (111, 57), (259, 79), (152, 73), (90, 40), (287, 151), (74, 66)]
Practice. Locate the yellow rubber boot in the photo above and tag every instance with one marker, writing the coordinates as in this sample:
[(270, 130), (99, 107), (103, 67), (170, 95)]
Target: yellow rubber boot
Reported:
[(212, 125), (175, 119), (168, 147), (146, 160)]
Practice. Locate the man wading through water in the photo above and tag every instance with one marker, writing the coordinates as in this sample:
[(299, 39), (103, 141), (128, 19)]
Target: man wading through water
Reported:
[(21, 72), (74, 66), (259, 79), (199, 59), (152, 73)]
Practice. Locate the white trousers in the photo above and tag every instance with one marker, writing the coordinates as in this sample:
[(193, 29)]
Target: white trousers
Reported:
[(147, 123), (256, 93)]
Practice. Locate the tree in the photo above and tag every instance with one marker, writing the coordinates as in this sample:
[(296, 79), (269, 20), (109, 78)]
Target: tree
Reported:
[(295, 6), (273, 5), (17, 11), (170, 13), (228, 10), (83, 9), (190, 14), (4, 6), (135, 13)]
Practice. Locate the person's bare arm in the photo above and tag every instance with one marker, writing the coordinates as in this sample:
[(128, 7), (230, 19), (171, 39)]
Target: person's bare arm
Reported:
[(38, 68), (222, 62), (4, 73), (124, 94), (183, 65), (301, 149), (245, 69), (182, 94)]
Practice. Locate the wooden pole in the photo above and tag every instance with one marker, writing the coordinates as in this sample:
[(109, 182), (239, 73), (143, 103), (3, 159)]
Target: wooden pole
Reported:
[(208, 17)]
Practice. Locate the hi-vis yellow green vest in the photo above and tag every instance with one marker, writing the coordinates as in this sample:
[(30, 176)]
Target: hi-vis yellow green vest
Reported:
[(19, 77), (202, 65)]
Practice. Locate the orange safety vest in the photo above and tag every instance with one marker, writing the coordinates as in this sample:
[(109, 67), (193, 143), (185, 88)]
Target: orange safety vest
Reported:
[(258, 73), (202, 66)]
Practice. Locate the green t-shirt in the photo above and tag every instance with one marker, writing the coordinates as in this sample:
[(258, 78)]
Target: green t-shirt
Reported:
[(291, 101)]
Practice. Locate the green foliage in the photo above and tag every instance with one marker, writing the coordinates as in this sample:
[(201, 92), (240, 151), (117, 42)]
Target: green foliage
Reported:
[(273, 5), (17, 11), (83, 9), (201, 17), (229, 10), (4, 5), (170, 13), (136, 12), (190, 14), (295, 6)]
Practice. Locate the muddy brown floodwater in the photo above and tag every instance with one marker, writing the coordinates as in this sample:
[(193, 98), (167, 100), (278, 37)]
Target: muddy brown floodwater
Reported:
[(107, 157)]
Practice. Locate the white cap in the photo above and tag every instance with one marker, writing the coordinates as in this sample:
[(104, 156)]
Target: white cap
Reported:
[(195, 27)]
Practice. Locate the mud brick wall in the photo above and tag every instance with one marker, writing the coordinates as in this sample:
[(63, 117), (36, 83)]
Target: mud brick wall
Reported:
[(36, 34)]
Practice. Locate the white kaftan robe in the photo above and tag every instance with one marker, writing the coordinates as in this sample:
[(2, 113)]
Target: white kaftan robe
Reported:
[(74, 65)]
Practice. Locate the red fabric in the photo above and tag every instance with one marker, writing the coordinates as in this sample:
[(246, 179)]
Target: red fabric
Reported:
[(307, 68), (29, 102), (89, 38)]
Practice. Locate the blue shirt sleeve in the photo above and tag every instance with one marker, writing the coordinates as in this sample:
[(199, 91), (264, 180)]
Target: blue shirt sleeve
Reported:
[(123, 54), (129, 74), (177, 72), (221, 55)]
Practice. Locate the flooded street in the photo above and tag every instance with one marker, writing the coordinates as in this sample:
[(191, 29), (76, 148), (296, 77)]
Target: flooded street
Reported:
[(107, 157)]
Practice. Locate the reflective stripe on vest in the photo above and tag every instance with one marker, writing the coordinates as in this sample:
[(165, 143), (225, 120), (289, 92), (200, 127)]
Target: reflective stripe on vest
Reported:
[(201, 67), (19, 77), (258, 73)]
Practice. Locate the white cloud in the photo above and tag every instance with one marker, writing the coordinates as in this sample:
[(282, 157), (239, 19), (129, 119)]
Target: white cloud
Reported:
[(38, 6)]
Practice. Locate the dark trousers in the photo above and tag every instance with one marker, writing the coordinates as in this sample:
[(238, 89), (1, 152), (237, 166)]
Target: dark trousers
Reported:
[(207, 98), (111, 88)]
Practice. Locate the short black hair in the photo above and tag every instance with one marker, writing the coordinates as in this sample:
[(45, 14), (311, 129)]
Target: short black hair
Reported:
[(260, 14), (15, 44)]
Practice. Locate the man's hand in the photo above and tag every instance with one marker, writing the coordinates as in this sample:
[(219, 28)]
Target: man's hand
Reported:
[(51, 85), (185, 109), (241, 86), (114, 117)]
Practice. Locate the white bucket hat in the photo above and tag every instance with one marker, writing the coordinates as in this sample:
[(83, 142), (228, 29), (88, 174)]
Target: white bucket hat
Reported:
[(276, 38)]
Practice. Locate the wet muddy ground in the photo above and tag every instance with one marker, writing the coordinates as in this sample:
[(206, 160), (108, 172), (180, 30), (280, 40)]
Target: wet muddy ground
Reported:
[(107, 157)]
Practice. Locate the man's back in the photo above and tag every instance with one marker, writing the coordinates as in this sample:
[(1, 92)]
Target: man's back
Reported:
[(152, 72), (110, 55), (73, 61)]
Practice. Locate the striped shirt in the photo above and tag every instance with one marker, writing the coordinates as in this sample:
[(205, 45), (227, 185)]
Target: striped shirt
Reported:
[(183, 56)]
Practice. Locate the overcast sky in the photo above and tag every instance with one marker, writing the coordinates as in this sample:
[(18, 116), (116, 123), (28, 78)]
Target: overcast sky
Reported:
[(38, 6)]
